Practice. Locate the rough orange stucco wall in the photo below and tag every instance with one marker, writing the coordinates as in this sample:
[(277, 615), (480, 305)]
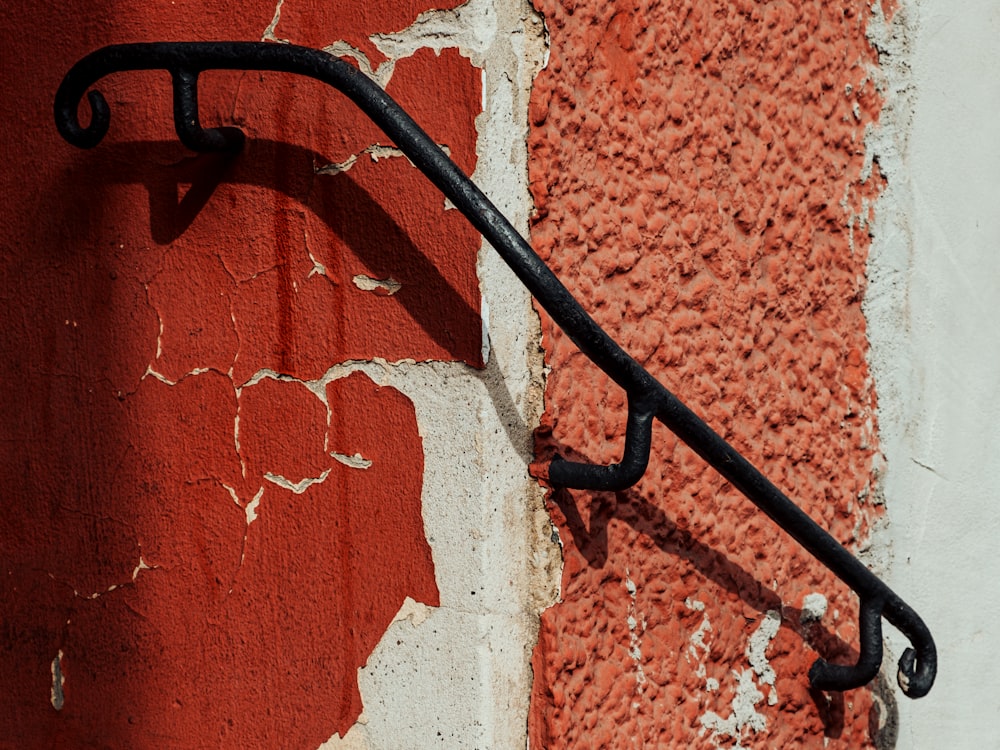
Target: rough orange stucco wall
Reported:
[(200, 548), (700, 181)]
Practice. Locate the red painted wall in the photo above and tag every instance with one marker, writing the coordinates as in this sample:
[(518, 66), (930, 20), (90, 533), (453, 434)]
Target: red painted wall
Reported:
[(186, 599), (695, 167)]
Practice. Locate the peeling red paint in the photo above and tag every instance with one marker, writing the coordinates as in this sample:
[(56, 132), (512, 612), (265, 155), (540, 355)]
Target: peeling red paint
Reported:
[(696, 170), (318, 24), (178, 527), (266, 409)]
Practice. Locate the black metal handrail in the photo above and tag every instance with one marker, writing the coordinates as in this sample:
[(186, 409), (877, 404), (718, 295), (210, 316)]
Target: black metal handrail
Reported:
[(647, 398)]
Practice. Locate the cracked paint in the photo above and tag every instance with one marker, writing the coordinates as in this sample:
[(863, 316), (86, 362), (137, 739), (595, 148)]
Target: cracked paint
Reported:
[(192, 527), (207, 572), (374, 152)]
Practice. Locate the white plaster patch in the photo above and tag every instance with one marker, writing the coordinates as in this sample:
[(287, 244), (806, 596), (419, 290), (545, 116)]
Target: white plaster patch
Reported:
[(357, 461), (744, 717), (814, 608), (367, 284), (697, 649), (57, 697), (356, 738), (757, 652), (471, 28), (636, 627), (414, 611)]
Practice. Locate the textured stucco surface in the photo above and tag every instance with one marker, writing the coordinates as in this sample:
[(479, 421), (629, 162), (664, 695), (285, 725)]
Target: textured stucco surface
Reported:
[(266, 475), (701, 183)]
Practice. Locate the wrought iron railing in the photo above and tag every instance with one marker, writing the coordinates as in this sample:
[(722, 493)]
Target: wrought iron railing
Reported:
[(647, 398)]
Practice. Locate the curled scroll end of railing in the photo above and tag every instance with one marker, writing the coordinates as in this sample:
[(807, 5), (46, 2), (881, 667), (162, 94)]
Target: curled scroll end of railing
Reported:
[(84, 74), (68, 121), (917, 669)]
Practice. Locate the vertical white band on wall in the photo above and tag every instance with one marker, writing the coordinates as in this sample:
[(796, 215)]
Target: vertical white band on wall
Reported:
[(459, 675), (933, 311)]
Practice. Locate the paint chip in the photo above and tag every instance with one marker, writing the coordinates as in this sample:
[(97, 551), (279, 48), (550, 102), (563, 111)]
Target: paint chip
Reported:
[(375, 151), (386, 287), (413, 611), (251, 509), (57, 697), (357, 461), (813, 608)]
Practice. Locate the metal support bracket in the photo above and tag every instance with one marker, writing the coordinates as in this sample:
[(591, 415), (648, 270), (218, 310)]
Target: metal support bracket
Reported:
[(647, 398)]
